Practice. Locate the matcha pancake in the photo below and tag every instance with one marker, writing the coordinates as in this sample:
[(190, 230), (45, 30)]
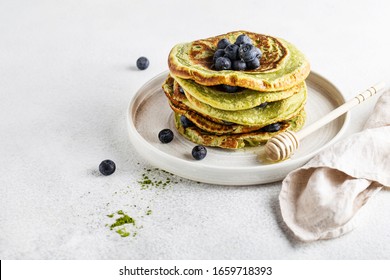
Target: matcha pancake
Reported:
[(179, 99), (274, 112), (282, 65), (234, 141), (218, 128), (240, 100), (204, 122), (209, 125)]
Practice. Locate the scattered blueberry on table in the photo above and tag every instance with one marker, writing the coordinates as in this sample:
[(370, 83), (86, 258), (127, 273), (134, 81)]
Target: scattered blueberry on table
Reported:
[(199, 152), (142, 63), (165, 135), (107, 167)]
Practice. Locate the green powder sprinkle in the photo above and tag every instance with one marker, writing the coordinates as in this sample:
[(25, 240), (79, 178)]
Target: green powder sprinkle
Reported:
[(151, 178), (120, 223), (156, 178), (125, 219), (123, 232)]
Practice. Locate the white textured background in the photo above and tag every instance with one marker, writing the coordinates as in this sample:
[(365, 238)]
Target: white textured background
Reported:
[(67, 74)]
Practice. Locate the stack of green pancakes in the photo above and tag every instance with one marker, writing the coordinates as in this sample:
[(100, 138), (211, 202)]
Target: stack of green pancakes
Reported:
[(265, 101)]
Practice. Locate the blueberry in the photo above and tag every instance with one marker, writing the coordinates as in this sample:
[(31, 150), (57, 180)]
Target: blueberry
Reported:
[(272, 127), (218, 53), (223, 63), (253, 64), (165, 135), (107, 167), (199, 152), (230, 89), (231, 52), (258, 53), (247, 52), (142, 63), (181, 90), (263, 105), (223, 43), (185, 122), (239, 65), (243, 39)]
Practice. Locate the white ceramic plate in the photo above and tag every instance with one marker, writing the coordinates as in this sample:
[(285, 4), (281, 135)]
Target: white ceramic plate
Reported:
[(149, 113)]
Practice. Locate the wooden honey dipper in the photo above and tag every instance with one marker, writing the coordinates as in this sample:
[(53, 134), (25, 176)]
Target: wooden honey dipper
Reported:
[(283, 145)]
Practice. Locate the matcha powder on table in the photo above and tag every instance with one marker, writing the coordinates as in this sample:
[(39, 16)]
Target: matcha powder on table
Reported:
[(151, 179), (120, 223)]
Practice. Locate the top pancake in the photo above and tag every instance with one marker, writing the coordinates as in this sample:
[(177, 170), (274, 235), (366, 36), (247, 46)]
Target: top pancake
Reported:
[(282, 65)]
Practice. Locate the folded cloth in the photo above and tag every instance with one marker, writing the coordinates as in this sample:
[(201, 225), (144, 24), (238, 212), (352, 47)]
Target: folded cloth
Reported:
[(320, 199)]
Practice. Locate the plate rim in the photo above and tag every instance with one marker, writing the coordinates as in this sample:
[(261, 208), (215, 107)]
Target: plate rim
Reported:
[(134, 135)]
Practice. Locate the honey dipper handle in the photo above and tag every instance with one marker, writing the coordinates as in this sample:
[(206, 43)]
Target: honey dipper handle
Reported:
[(340, 110), (283, 145)]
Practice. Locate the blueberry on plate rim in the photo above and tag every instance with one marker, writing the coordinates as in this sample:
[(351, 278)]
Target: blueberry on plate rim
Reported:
[(199, 152), (107, 167), (165, 135)]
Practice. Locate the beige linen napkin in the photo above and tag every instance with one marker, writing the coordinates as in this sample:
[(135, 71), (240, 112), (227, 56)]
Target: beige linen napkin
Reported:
[(320, 199)]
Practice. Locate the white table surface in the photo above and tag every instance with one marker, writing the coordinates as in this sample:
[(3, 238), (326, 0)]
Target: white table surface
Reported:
[(67, 74)]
